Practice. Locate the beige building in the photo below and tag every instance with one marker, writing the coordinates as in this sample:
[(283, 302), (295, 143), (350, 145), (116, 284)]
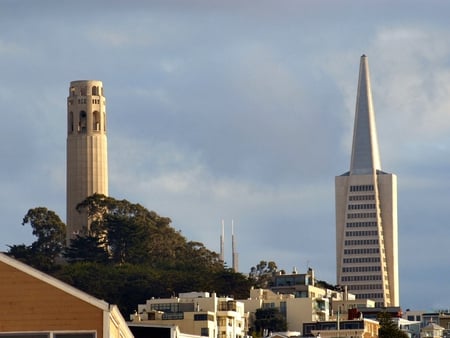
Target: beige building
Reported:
[(87, 162), (432, 330), (366, 212), (33, 304), (297, 311), (196, 313), (300, 299), (359, 328)]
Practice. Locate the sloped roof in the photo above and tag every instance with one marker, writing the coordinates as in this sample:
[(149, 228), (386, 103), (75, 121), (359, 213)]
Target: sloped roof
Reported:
[(54, 282), (433, 327), (365, 153)]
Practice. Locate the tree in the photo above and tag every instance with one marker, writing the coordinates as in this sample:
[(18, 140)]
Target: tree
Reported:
[(127, 255), (131, 234), (388, 329), (268, 320), (262, 273), (86, 248), (230, 283), (51, 234)]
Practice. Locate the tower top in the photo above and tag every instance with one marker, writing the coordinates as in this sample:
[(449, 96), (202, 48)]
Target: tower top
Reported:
[(365, 153), (84, 82)]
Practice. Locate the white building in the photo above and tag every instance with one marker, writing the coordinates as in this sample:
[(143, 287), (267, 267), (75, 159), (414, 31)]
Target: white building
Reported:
[(196, 313), (314, 307)]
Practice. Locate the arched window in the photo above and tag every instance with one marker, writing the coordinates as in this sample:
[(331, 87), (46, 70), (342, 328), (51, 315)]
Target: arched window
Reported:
[(104, 121), (96, 121), (94, 90), (83, 122), (70, 122)]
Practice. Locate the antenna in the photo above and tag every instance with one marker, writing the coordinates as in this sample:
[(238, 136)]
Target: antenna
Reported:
[(222, 244), (233, 249)]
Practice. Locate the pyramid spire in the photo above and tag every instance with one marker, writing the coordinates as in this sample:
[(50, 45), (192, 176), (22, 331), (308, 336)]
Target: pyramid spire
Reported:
[(365, 153)]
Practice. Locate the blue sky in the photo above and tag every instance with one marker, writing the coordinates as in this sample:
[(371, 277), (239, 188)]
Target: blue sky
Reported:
[(238, 111)]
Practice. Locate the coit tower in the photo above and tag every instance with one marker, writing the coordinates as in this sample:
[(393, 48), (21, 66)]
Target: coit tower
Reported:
[(366, 211), (87, 161)]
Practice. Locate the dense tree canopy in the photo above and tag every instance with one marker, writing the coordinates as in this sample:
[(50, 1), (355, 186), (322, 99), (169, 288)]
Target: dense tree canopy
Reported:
[(268, 320), (50, 234), (127, 255)]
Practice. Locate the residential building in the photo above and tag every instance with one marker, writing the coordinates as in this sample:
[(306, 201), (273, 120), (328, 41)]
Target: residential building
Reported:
[(444, 321), (34, 304), (196, 313), (300, 299), (311, 306), (366, 211), (87, 163), (158, 331), (413, 315), (432, 330), (441, 318), (358, 328)]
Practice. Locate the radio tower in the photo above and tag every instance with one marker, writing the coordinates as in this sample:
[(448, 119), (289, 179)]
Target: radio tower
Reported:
[(222, 241), (233, 249)]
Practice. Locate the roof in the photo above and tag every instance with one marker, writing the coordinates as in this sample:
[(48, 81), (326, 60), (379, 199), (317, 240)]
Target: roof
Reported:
[(365, 153), (54, 282), (432, 327)]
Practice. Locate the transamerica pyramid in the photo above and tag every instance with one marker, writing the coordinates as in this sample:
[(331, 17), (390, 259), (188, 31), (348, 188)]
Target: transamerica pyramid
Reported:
[(366, 211)]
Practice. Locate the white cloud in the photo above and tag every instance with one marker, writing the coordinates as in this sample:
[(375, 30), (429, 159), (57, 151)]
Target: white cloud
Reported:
[(8, 48)]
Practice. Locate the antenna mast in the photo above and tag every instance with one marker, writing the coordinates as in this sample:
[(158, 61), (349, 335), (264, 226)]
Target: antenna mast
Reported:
[(222, 242), (233, 248)]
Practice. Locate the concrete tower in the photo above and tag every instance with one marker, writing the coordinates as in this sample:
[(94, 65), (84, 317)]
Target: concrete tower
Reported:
[(87, 162), (366, 211)]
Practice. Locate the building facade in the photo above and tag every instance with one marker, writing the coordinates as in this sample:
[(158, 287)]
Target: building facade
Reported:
[(34, 304), (366, 211), (87, 161), (312, 305), (361, 328), (196, 313)]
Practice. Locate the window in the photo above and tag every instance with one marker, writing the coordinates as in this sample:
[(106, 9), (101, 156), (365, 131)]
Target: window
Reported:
[(74, 335), (361, 224), (71, 122), (172, 315), (166, 307), (47, 335), (200, 317), (283, 308), (361, 233), (83, 122), (96, 122), (95, 90), (204, 332), (366, 187), (25, 335)]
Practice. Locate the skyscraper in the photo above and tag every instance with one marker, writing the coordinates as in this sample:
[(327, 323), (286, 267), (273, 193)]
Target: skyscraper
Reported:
[(87, 162), (366, 211)]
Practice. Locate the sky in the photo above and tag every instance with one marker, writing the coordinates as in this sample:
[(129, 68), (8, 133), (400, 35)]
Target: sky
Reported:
[(239, 111)]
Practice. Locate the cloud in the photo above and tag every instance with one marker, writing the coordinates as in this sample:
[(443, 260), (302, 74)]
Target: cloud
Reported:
[(8, 48)]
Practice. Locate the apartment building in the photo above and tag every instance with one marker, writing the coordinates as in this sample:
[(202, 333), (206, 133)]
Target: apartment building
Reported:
[(196, 313)]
